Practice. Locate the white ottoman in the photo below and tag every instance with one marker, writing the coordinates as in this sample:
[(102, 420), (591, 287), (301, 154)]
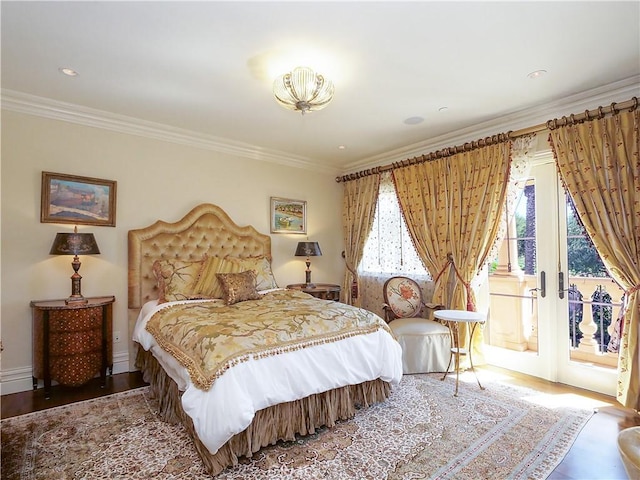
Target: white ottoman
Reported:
[(426, 344)]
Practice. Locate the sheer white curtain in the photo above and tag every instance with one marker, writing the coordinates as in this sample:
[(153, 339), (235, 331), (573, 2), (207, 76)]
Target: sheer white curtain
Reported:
[(388, 251), (523, 150)]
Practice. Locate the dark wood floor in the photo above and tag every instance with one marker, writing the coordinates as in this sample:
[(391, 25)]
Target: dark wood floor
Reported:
[(33, 400), (593, 456)]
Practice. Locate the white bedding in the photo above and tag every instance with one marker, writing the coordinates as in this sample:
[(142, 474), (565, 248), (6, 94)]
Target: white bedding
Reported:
[(230, 405)]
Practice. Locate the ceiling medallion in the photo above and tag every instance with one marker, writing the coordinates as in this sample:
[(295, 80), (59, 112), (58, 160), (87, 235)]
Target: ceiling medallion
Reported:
[(303, 90)]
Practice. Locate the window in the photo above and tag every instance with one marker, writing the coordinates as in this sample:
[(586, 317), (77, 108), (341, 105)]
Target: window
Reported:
[(389, 249)]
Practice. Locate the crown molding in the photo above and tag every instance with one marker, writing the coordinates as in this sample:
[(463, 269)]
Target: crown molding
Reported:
[(15, 101), (620, 91), (67, 112)]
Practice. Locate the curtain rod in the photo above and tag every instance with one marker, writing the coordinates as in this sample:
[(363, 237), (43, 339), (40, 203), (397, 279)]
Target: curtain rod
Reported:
[(599, 112)]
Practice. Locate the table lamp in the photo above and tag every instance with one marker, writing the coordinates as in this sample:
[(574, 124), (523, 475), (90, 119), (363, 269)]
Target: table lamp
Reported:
[(308, 249), (75, 244)]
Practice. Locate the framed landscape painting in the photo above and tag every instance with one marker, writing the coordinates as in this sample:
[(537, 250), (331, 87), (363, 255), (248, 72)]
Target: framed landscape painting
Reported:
[(288, 216), (77, 200)]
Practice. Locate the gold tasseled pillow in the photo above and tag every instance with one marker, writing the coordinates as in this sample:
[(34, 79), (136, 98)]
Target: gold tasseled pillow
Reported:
[(176, 279), (238, 287), (261, 265), (207, 284)]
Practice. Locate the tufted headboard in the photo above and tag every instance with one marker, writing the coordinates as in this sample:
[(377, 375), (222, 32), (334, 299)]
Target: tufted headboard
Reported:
[(206, 229)]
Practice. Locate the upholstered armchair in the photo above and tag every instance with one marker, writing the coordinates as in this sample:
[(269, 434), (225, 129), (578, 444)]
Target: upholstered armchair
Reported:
[(426, 343)]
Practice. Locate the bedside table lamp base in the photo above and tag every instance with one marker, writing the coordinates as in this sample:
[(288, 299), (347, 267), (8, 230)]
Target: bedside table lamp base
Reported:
[(307, 273), (76, 295)]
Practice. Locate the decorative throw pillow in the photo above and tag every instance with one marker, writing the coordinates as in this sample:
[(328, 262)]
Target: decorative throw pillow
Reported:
[(238, 287), (176, 278), (261, 265), (207, 284)]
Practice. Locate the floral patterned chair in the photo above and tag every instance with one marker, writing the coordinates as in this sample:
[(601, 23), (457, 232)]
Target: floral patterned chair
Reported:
[(426, 343)]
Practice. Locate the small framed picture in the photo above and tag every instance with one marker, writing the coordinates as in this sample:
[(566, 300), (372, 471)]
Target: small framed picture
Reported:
[(77, 200), (288, 216)]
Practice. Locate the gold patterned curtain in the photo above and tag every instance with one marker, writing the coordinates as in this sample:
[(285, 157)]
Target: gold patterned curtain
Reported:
[(358, 210), (452, 207), (599, 164)]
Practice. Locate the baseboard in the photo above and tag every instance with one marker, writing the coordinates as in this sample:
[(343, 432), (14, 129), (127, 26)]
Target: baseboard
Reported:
[(19, 379)]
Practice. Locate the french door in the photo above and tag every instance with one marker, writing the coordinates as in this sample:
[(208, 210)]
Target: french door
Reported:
[(534, 326)]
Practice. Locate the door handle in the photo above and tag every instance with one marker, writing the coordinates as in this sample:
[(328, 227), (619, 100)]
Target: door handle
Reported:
[(561, 284), (543, 285)]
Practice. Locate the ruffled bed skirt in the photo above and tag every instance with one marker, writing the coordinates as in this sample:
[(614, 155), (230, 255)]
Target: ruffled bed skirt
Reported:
[(279, 422)]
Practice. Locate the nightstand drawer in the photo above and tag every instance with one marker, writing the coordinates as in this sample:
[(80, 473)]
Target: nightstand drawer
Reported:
[(75, 343), (78, 320)]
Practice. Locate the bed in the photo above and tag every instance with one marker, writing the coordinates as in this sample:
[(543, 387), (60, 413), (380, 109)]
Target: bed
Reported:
[(267, 391)]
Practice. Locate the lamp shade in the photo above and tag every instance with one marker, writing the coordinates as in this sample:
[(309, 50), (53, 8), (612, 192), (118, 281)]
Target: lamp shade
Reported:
[(74, 244), (308, 249)]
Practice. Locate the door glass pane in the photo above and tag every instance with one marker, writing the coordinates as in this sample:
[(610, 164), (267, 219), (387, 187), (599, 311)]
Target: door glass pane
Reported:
[(512, 280), (526, 228), (594, 298)]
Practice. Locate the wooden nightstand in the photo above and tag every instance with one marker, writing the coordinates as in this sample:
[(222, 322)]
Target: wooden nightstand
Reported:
[(325, 291), (71, 343)]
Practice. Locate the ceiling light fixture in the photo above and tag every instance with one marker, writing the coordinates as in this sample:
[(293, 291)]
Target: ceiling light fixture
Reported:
[(303, 90)]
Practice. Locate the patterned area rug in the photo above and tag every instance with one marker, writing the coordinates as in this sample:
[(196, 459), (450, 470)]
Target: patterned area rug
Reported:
[(420, 432)]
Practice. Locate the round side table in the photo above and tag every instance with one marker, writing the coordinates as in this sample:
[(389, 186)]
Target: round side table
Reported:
[(455, 318)]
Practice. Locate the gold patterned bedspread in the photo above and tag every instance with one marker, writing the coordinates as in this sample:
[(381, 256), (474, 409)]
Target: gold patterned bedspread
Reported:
[(208, 338)]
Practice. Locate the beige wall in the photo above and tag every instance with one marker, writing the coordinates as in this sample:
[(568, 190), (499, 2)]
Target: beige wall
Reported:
[(156, 180)]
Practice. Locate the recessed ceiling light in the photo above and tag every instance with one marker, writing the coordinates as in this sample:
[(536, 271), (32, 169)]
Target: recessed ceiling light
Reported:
[(537, 74), (414, 120), (342, 147), (68, 72), (443, 109)]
